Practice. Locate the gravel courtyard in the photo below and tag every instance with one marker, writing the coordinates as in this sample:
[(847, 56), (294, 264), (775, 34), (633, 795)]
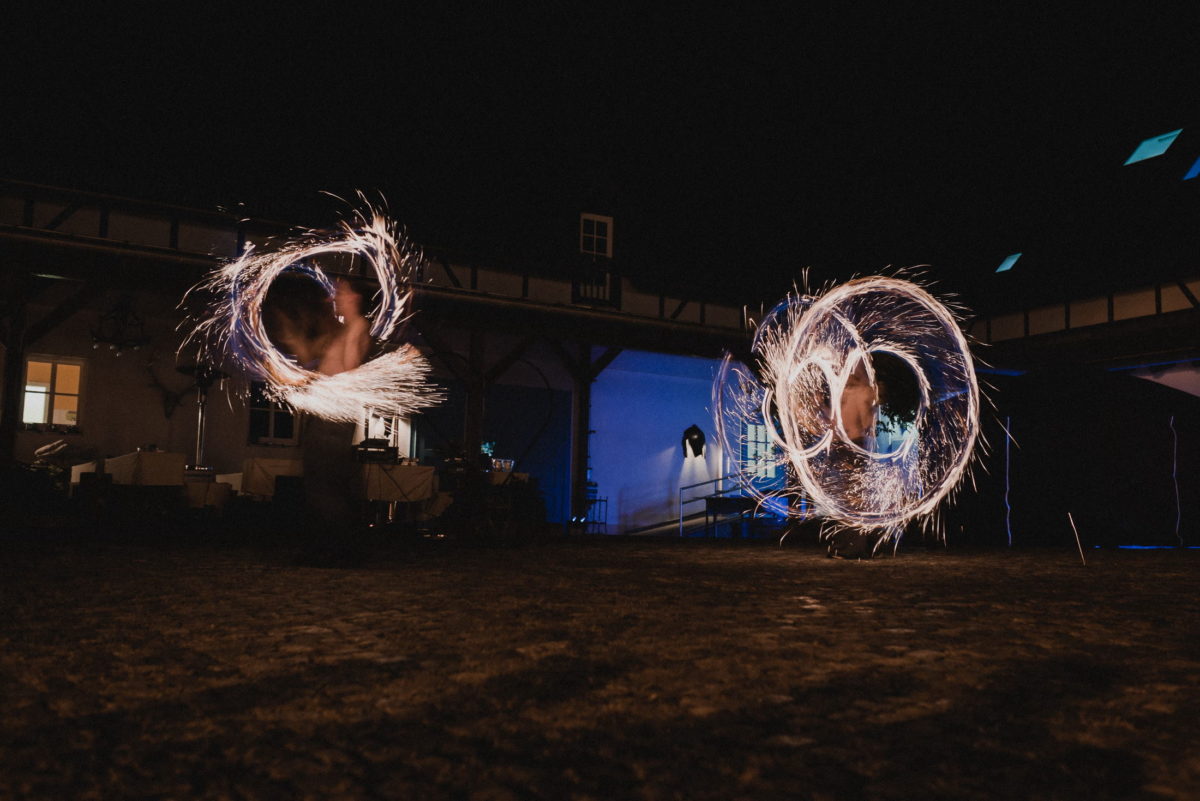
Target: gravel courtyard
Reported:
[(596, 669)]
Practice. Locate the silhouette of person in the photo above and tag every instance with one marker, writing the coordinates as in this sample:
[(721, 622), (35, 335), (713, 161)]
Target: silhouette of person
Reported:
[(329, 336), (858, 409), (859, 406)]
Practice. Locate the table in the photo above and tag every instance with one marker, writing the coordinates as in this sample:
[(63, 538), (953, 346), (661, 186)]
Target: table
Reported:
[(147, 468), (201, 494), (497, 477), (259, 474), (78, 470), (394, 482)]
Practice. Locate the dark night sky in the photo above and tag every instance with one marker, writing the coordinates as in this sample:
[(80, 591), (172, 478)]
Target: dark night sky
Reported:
[(732, 150)]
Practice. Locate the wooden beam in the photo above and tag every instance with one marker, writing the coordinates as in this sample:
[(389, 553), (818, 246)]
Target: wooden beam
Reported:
[(450, 274), (604, 361), (573, 366), (63, 216), (440, 351), (1187, 293), (501, 366), (62, 312)]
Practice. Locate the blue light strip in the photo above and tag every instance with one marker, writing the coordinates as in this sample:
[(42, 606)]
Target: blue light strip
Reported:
[(1152, 547), (1150, 364), (999, 371)]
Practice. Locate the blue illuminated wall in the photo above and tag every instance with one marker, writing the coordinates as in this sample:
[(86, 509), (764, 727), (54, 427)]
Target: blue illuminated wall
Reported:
[(531, 425), (641, 405)]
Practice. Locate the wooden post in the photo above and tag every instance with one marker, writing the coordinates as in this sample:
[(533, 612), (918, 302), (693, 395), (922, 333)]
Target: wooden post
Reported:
[(581, 421), (583, 372), (476, 385), (15, 289)]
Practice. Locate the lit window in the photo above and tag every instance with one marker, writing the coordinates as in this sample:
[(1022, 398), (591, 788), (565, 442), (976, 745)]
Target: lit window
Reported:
[(271, 422), (52, 390), (595, 235), (760, 453)]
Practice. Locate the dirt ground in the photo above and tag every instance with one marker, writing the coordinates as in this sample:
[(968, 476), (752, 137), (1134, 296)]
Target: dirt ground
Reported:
[(596, 669)]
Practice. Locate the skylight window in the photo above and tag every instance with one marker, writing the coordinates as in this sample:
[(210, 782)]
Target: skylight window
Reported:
[(1154, 146), (1194, 171), (1008, 263)]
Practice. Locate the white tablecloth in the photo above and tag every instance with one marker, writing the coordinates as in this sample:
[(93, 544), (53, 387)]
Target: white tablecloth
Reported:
[(147, 468), (393, 482), (259, 474)]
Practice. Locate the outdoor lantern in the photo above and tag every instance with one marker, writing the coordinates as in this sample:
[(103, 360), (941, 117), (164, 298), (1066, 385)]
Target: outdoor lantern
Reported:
[(693, 440)]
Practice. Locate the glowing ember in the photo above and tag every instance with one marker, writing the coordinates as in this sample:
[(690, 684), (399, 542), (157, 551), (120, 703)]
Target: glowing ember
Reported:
[(392, 383), (867, 394)]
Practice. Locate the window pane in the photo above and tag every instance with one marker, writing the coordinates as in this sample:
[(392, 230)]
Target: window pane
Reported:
[(66, 410), (589, 245), (39, 374), (283, 425), (260, 424), (601, 228), (589, 226), (67, 379), (36, 406)]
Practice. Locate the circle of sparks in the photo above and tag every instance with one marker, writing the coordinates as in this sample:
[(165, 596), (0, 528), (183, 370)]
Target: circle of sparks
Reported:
[(880, 349), (392, 383)]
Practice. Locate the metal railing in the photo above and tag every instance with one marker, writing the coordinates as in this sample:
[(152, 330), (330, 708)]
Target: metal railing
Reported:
[(597, 287), (704, 496)]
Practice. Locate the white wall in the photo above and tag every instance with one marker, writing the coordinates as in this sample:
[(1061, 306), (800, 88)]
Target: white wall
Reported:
[(641, 405), (120, 410)]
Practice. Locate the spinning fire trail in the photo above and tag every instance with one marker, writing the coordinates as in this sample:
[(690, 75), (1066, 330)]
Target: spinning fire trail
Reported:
[(392, 383), (868, 400)]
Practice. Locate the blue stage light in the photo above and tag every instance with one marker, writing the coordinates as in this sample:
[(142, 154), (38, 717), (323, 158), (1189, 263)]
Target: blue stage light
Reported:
[(1008, 263), (1154, 146)]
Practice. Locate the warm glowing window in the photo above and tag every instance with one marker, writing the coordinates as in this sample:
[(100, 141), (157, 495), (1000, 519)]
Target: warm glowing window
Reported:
[(271, 422), (595, 235), (52, 390)]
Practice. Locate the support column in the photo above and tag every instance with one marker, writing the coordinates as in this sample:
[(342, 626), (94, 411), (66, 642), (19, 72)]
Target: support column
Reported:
[(581, 421), (476, 385), (583, 372), (15, 290), (476, 377)]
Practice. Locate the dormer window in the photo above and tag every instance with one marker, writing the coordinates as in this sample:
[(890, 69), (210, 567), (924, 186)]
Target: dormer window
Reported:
[(595, 235)]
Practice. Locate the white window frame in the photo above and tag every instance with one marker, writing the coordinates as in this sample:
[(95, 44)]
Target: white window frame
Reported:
[(51, 392), (759, 451), (608, 237)]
